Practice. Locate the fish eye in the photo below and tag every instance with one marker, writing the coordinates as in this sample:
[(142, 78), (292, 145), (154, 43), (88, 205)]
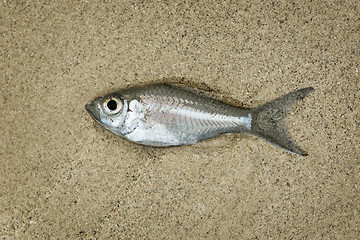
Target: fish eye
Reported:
[(112, 105)]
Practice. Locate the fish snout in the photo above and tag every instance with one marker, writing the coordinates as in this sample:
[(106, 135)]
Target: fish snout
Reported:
[(93, 110)]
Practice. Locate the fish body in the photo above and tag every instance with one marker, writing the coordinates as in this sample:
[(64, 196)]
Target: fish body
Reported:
[(164, 115)]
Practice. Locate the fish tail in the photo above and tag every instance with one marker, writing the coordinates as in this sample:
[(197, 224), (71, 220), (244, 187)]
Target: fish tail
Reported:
[(268, 120)]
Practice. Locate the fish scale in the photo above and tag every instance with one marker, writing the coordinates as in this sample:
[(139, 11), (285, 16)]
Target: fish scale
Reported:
[(194, 123), (188, 114)]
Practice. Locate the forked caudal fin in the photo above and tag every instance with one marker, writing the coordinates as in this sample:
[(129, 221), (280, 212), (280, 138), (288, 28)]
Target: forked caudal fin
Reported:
[(267, 120)]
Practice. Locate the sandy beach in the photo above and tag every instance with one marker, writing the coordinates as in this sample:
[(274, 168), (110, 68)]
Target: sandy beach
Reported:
[(63, 176)]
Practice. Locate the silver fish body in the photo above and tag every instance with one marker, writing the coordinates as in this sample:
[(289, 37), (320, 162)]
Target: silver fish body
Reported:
[(163, 115)]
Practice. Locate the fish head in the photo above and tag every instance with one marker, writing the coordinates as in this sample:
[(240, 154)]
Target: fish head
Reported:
[(109, 111)]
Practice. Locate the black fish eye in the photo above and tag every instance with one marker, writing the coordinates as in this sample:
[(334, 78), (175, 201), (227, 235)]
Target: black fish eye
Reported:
[(112, 105)]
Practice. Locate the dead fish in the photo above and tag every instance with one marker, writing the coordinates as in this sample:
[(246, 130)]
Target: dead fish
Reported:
[(162, 115)]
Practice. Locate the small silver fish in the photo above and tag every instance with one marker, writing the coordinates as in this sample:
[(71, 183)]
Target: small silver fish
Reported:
[(162, 115)]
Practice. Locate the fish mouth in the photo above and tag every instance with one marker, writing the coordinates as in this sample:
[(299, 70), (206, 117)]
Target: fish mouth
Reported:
[(93, 110)]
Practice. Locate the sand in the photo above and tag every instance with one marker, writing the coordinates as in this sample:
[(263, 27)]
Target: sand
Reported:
[(62, 176)]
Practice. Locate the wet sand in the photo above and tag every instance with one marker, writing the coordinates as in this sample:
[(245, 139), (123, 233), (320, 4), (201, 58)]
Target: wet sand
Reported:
[(65, 177)]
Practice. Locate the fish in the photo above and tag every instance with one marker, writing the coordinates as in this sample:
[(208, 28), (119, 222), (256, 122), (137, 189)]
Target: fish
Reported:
[(167, 114)]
